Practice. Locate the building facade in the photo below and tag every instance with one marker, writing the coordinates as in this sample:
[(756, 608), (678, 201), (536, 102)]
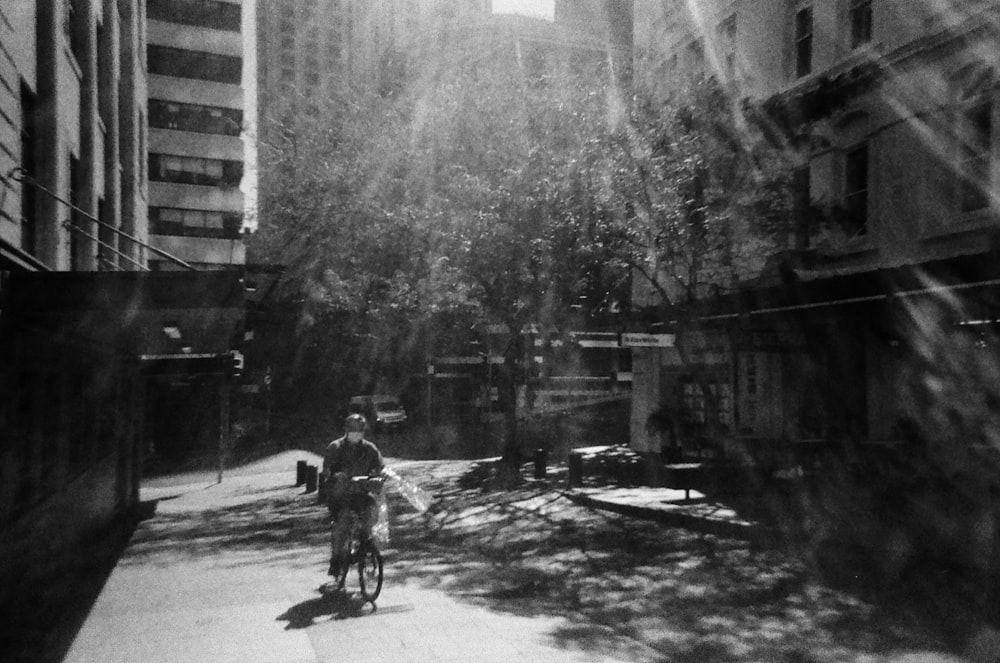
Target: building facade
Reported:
[(196, 119), (88, 336), (892, 109), (73, 109), (73, 201)]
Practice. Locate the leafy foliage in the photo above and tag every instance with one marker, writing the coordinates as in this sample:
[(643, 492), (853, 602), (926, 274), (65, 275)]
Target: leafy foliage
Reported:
[(507, 188)]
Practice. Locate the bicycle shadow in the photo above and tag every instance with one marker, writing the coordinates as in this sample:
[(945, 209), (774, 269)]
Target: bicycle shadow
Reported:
[(328, 606)]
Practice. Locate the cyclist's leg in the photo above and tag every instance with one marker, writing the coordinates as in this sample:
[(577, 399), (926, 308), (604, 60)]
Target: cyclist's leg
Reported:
[(368, 512), (339, 540)]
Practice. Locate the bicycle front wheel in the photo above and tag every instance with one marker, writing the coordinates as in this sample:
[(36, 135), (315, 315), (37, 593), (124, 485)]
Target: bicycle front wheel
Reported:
[(370, 572)]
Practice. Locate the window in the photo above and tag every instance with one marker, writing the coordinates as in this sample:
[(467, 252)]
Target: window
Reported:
[(75, 26), (142, 146), (203, 13), (195, 223), (695, 406), (181, 63), (76, 244), (194, 118), (861, 22), (856, 189), (194, 170), (976, 133), (727, 46), (106, 257), (803, 41), (29, 226)]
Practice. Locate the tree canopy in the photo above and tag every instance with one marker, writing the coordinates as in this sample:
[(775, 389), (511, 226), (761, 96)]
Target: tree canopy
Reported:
[(503, 187)]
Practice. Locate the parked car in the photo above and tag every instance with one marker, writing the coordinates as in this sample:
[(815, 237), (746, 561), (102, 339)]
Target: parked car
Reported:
[(382, 411)]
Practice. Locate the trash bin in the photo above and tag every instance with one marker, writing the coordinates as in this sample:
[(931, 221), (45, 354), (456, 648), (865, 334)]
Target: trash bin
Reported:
[(541, 456), (575, 475)]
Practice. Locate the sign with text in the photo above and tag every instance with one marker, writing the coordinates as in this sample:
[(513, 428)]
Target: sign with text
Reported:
[(637, 340)]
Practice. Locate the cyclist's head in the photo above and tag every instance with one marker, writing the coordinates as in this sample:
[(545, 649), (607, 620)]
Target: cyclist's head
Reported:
[(354, 427)]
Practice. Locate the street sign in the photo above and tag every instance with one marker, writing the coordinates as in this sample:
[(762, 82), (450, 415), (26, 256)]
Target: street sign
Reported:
[(637, 340)]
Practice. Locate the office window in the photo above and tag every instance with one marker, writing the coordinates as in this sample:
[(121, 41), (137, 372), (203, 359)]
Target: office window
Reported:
[(107, 259), (75, 22), (195, 118), (803, 41), (194, 170), (203, 13), (695, 407), (29, 225), (856, 189), (861, 22), (195, 223), (181, 63), (77, 219), (141, 130)]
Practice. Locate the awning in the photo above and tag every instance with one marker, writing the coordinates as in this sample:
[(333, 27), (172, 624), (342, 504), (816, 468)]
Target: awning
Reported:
[(177, 318), (971, 281)]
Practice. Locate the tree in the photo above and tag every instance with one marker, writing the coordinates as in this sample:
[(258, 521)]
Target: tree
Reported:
[(437, 210), (699, 200)]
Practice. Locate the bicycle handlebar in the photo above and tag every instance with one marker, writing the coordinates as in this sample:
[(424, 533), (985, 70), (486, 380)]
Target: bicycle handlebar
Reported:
[(361, 483)]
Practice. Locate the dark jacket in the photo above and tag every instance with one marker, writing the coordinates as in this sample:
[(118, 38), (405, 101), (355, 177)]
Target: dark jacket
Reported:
[(353, 459)]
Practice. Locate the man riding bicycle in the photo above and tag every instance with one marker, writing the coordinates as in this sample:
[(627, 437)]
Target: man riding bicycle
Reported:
[(347, 457)]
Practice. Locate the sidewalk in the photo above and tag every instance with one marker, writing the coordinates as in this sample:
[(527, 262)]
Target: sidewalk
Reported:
[(231, 572)]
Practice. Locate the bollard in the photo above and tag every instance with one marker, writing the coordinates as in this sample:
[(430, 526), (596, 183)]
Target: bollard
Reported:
[(541, 455), (575, 474), (311, 476), (300, 472)]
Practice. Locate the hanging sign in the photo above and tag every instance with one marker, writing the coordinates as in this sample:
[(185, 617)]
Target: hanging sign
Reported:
[(637, 340)]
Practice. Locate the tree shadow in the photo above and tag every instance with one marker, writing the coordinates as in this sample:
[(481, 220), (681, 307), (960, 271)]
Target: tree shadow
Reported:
[(635, 587), (690, 596)]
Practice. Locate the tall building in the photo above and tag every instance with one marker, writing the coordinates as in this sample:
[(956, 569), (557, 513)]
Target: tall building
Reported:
[(196, 117), (308, 49), (300, 54), (891, 110)]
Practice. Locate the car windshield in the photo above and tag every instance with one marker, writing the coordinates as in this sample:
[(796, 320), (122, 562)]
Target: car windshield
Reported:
[(388, 404)]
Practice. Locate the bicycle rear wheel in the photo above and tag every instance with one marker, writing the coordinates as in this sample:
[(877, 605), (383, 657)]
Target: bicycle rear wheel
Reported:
[(370, 572)]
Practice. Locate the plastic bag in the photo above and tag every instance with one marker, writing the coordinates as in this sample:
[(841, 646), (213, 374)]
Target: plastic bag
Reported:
[(380, 531), (419, 498)]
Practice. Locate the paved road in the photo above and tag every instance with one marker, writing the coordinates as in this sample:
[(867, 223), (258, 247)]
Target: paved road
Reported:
[(231, 572)]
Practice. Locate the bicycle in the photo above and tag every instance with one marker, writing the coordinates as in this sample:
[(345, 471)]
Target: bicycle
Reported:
[(361, 549)]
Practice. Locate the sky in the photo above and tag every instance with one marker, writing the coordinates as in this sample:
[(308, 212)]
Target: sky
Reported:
[(534, 8)]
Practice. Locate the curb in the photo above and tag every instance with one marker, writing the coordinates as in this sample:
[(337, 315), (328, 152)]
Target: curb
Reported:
[(676, 518)]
